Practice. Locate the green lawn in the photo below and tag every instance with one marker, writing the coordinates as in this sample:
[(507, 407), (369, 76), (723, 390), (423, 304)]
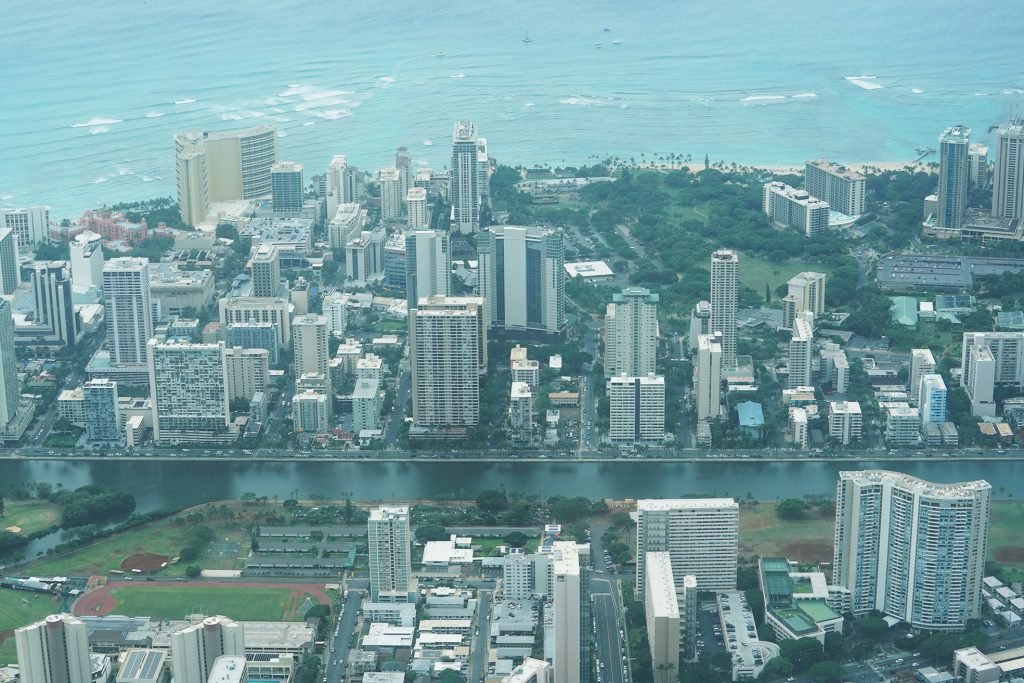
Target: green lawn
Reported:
[(29, 516), (241, 603), (754, 272), (18, 608), (165, 537)]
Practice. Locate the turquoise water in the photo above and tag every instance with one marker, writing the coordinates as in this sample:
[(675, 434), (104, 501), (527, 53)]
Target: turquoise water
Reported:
[(93, 91)]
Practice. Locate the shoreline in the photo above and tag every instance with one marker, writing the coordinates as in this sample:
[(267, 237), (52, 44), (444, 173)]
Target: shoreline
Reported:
[(862, 167)]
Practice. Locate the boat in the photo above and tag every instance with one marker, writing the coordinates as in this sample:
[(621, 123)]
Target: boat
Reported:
[(607, 30), (439, 53), (616, 42), (526, 38), (598, 45)]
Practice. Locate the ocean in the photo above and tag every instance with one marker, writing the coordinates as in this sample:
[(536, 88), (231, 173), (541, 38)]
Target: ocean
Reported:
[(93, 91)]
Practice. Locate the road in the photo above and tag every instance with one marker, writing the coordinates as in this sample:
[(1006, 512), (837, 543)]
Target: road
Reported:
[(336, 657), (402, 388), (479, 647), (610, 650)]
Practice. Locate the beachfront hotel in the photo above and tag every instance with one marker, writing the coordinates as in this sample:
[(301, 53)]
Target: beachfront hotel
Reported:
[(787, 206), (1008, 181), (839, 186), (465, 185), (954, 173)]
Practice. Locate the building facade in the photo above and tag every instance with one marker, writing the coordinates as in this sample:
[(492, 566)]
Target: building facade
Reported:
[(196, 647), (189, 392), (31, 225), (922, 362), (707, 384), (10, 272), (428, 265), (805, 292), (912, 549), (128, 310), (787, 206), (661, 609), (637, 409), (724, 283), (286, 188), (843, 189), (102, 412), (390, 550), (465, 182), (54, 650), (954, 172), (1008, 181), (631, 333)]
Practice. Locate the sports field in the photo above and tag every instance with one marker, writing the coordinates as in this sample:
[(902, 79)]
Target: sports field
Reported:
[(245, 602), (18, 608), (29, 516), (755, 272)]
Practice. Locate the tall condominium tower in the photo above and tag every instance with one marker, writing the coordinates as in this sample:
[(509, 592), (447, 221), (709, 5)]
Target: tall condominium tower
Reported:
[(389, 183), (102, 411), (266, 271), (954, 172), (1008, 183), (54, 650), (9, 397), (55, 322), (661, 609), (343, 184), (286, 188), (128, 310), (522, 277), (1007, 351), (448, 348), (87, 260), (922, 362), (787, 206), (222, 165), (800, 348), (806, 292), (724, 283), (403, 164), (465, 178), (428, 265), (416, 205), (196, 647), (841, 187), (10, 273), (932, 398), (189, 393), (570, 602), (707, 376), (636, 408), (912, 549), (390, 550), (699, 534), (309, 341), (631, 333), (31, 225)]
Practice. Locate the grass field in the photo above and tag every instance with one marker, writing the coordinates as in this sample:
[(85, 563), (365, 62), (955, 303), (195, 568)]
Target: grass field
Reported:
[(754, 272), (30, 516), (241, 603), (18, 608), (165, 537)]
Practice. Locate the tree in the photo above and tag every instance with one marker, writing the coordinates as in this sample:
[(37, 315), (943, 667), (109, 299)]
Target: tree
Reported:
[(792, 508), (825, 672), (873, 626), (517, 539), (318, 612), (316, 535), (188, 553), (492, 500), (449, 676), (803, 652), (193, 571), (778, 667)]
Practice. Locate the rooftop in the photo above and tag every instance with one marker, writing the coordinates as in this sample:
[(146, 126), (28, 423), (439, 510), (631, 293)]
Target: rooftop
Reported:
[(663, 504), (955, 490)]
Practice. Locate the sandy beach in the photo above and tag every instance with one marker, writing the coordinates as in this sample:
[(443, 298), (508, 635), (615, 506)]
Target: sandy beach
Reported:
[(866, 167)]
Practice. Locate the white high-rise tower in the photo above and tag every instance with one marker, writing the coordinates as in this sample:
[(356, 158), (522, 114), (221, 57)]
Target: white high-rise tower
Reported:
[(724, 284), (390, 550), (465, 184), (54, 650), (1008, 183), (631, 333), (129, 310)]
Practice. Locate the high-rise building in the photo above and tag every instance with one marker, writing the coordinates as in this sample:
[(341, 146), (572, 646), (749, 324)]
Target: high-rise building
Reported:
[(10, 273), (932, 398), (102, 411), (806, 292), (637, 408), (389, 183), (724, 285), (520, 410), (346, 224), (335, 308), (522, 277), (31, 226), (229, 669), (1007, 352), (87, 260), (223, 165), (403, 164), (912, 549), (189, 393), (922, 363), (286, 188), (465, 184), (570, 602), (416, 204), (128, 310), (707, 384), (978, 172), (196, 647), (390, 550), (55, 323), (661, 609), (428, 265), (954, 171), (700, 323), (254, 336), (787, 206), (842, 188), (246, 371), (800, 348), (448, 348), (364, 255), (978, 376), (845, 421), (256, 309), (1008, 182), (699, 534), (54, 650), (366, 405), (631, 333), (483, 163), (343, 184), (310, 412), (9, 396), (266, 271), (312, 354)]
